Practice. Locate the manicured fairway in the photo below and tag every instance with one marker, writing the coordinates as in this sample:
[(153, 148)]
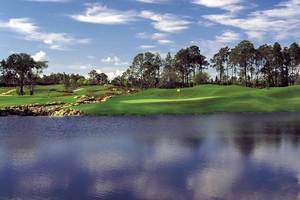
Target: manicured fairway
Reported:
[(198, 100)]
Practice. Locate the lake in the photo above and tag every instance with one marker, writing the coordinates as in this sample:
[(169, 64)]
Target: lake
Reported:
[(222, 156)]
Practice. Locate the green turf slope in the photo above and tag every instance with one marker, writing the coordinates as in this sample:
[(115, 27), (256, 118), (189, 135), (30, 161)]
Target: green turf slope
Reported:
[(199, 100), (48, 94)]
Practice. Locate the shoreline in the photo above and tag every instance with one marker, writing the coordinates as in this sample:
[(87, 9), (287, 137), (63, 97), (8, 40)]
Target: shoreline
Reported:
[(54, 109), (77, 113)]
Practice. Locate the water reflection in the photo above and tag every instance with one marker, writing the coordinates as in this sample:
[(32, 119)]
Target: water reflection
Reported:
[(253, 156)]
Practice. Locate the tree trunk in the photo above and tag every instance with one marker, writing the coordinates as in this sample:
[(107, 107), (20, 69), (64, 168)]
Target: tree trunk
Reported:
[(183, 79), (220, 79), (227, 75), (31, 89), (286, 78), (21, 86), (245, 74)]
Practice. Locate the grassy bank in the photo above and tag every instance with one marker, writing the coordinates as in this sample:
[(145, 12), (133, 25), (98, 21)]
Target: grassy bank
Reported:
[(199, 100), (48, 94)]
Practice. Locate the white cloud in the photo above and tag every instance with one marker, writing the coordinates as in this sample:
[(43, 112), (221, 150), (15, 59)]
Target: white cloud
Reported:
[(205, 23), (279, 22), (230, 5), (167, 151), (284, 156), (165, 41), (114, 60), (153, 1), (111, 59), (144, 47), (217, 179), (142, 35), (166, 22), (153, 36), (27, 28), (112, 74), (210, 47), (228, 37), (50, 1), (161, 38), (91, 57), (39, 56), (98, 14)]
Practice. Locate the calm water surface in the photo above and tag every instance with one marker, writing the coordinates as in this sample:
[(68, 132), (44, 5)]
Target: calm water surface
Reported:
[(238, 156)]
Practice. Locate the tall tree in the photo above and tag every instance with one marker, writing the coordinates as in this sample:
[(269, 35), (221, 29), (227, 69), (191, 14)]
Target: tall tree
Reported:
[(22, 68), (169, 75), (182, 65), (278, 68), (220, 62), (151, 67), (197, 60), (265, 58), (93, 77), (286, 66), (294, 52), (102, 79), (187, 61), (243, 56), (144, 71)]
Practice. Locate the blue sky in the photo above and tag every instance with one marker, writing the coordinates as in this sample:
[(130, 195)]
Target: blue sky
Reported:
[(79, 35)]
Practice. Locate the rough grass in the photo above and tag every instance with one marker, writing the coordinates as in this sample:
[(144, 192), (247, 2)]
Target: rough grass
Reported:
[(49, 94), (200, 100)]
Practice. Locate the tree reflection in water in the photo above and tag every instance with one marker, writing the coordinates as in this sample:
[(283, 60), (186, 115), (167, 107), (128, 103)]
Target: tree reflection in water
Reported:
[(225, 156)]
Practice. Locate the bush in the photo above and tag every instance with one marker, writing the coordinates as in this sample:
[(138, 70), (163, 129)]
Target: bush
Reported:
[(201, 78)]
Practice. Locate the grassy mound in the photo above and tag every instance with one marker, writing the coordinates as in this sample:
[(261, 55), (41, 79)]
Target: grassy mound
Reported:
[(199, 100)]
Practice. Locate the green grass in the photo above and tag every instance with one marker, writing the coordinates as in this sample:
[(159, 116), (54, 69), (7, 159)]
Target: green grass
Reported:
[(200, 100), (48, 94)]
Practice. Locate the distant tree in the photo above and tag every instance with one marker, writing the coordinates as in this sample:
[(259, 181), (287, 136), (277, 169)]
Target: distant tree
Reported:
[(286, 66), (294, 51), (266, 59), (118, 81), (22, 68), (66, 82), (198, 61), (169, 77), (96, 78), (134, 74), (102, 79), (150, 70), (243, 56), (187, 61), (51, 79), (201, 78), (220, 62), (82, 81), (93, 77), (144, 71), (278, 68), (182, 64)]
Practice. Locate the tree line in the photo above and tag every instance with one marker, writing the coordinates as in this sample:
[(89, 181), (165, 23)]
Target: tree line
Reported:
[(23, 71), (265, 66)]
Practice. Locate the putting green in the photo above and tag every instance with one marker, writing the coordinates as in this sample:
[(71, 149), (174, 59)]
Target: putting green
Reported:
[(141, 101)]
